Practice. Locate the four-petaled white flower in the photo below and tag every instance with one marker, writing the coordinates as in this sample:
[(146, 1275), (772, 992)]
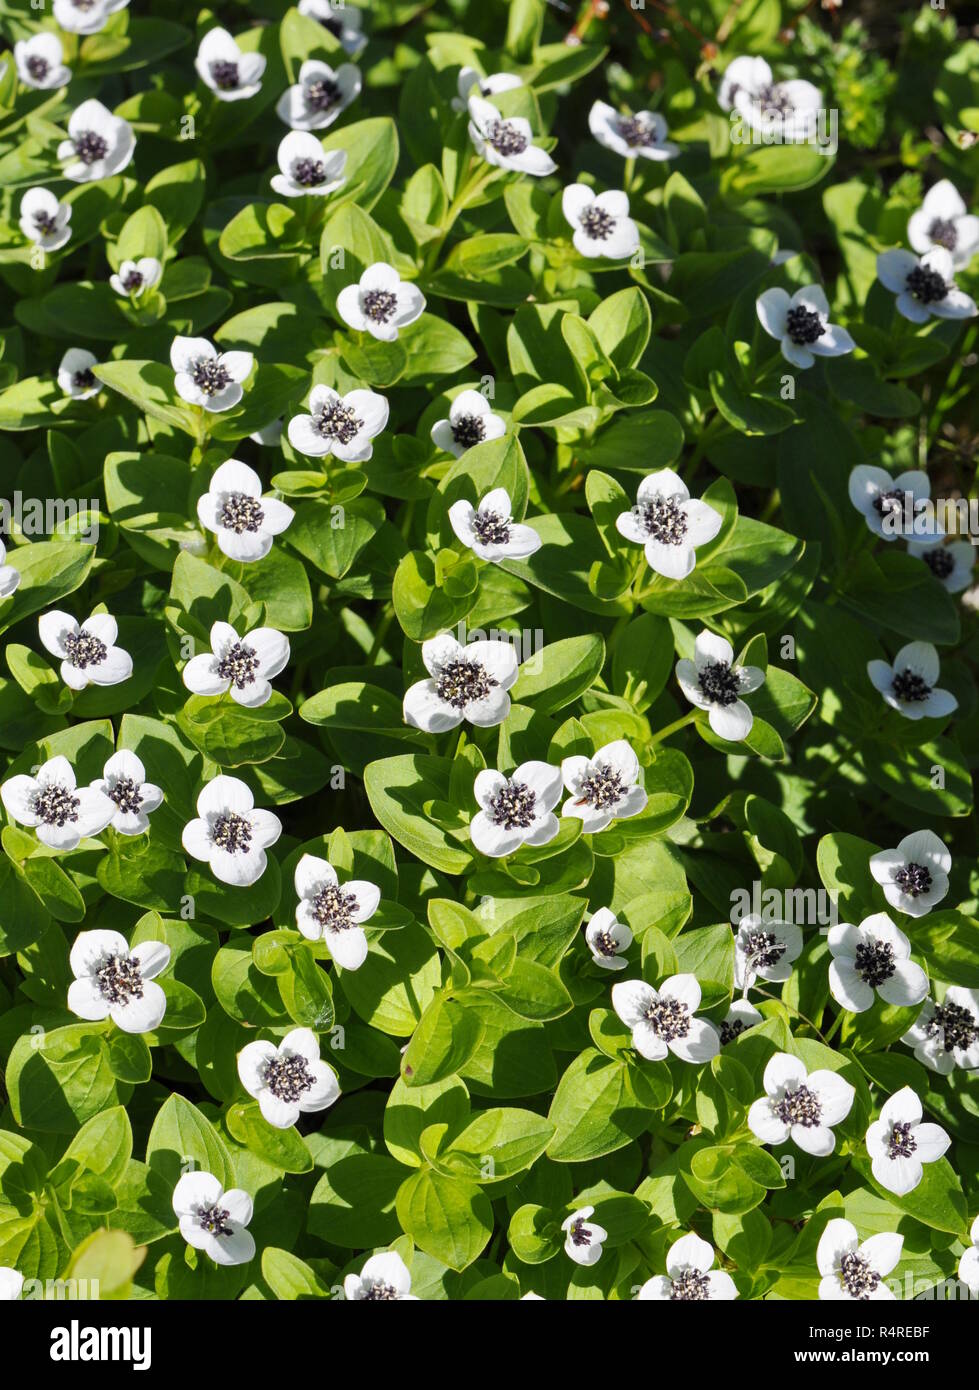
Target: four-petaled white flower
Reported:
[(243, 520), (230, 834), (852, 1270), (607, 938), (669, 524), (320, 95), (124, 782), (601, 225), (44, 220), (470, 422), (764, 950), (385, 1278), (85, 16), (642, 135), (471, 83), (942, 220), (874, 956), (40, 62), (946, 1035), (343, 22), (507, 143), (788, 110), (98, 144), (221, 65), (690, 1277), (583, 1238), (740, 1016), (242, 665), (213, 1220), (714, 682), (88, 653), (800, 323), (9, 574), (662, 1020), (381, 303), (333, 912), (605, 787), (339, 425), (75, 375), (468, 682), (490, 531), (206, 377), (899, 1143), (889, 504), (49, 802), (515, 810), (135, 278), (914, 876), (951, 564), (911, 685), (800, 1106), (114, 980), (287, 1080), (11, 1284), (924, 285), (306, 168), (969, 1263)]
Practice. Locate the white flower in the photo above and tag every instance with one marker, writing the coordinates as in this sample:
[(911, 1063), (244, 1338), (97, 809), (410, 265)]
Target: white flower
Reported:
[(320, 95), (269, 435), (124, 782), (343, 21), (873, 956), (85, 16), (380, 303), (384, 1279), (531, 1297), (40, 62), (910, 685), (242, 519), (668, 524), (88, 653), (11, 1284), (854, 1271), (713, 682), (887, 503), (690, 1277), (969, 1263), (951, 564), (243, 665), (914, 876), (943, 221), (134, 278), (221, 65), (508, 143), (289, 1080), (9, 576), (230, 834), (945, 1036), (334, 914), (662, 1020), (490, 531), (642, 135), (800, 1106), (603, 788), (786, 109), (765, 950), (607, 938), (468, 682), (98, 145), (471, 83), (114, 981), (206, 377), (340, 425), (213, 1220), (515, 810), (50, 802), (924, 285), (601, 224), (899, 1143), (800, 322), (470, 422), (306, 168), (740, 1015), (583, 1240), (75, 375), (44, 220)]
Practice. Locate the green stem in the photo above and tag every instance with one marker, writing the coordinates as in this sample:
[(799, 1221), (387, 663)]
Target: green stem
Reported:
[(672, 728)]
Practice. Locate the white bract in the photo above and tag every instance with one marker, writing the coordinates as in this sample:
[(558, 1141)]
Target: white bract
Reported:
[(242, 665), (899, 1143), (873, 957), (206, 377), (740, 1016), (601, 225), (98, 144), (11, 1284), (49, 802), (87, 651), (124, 782), (969, 1263), (471, 83), (333, 913), (583, 1238), (914, 876), (764, 950), (662, 1020), (40, 62), (515, 810), (507, 143), (715, 683), (75, 375), (134, 278), (385, 1278), (343, 22), (9, 574), (924, 285), (607, 938), (669, 524), (339, 425), (603, 788), (690, 1276), (642, 135), (115, 981), (320, 95), (468, 682), (951, 564), (889, 503), (911, 685), (852, 1270), (381, 303), (86, 16), (44, 220), (786, 110), (287, 1080), (942, 220), (946, 1035), (306, 168), (221, 65), (230, 834), (800, 323), (470, 422), (800, 1106), (490, 531), (213, 1220), (243, 521)]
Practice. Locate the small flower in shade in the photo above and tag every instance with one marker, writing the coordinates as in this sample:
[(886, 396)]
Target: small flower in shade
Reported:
[(470, 83), (221, 65), (381, 303), (874, 956), (662, 1020), (9, 575), (340, 425), (740, 1016), (289, 1080), (800, 322), (306, 168), (942, 220), (85, 16), (506, 143), (603, 788), (786, 109), (899, 1143), (40, 63), (951, 564), (44, 220), (924, 285), (969, 1263), (343, 22), (946, 1035), (11, 1284), (854, 1271), (206, 377), (690, 1276), (490, 531), (269, 435), (320, 95), (98, 145), (642, 135), (515, 810), (75, 375), (914, 876), (50, 802), (135, 278), (114, 981), (887, 503), (333, 913), (124, 782), (668, 524), (911, 685), (601, 225), (242, 665), (89, 655), (470, 422), (764, 950), (607, 938), (213, 1220), (230, 834), (384, 1278), (468, 682), (800, 1106), (713, 682), (583, 1240), (243, 520)]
